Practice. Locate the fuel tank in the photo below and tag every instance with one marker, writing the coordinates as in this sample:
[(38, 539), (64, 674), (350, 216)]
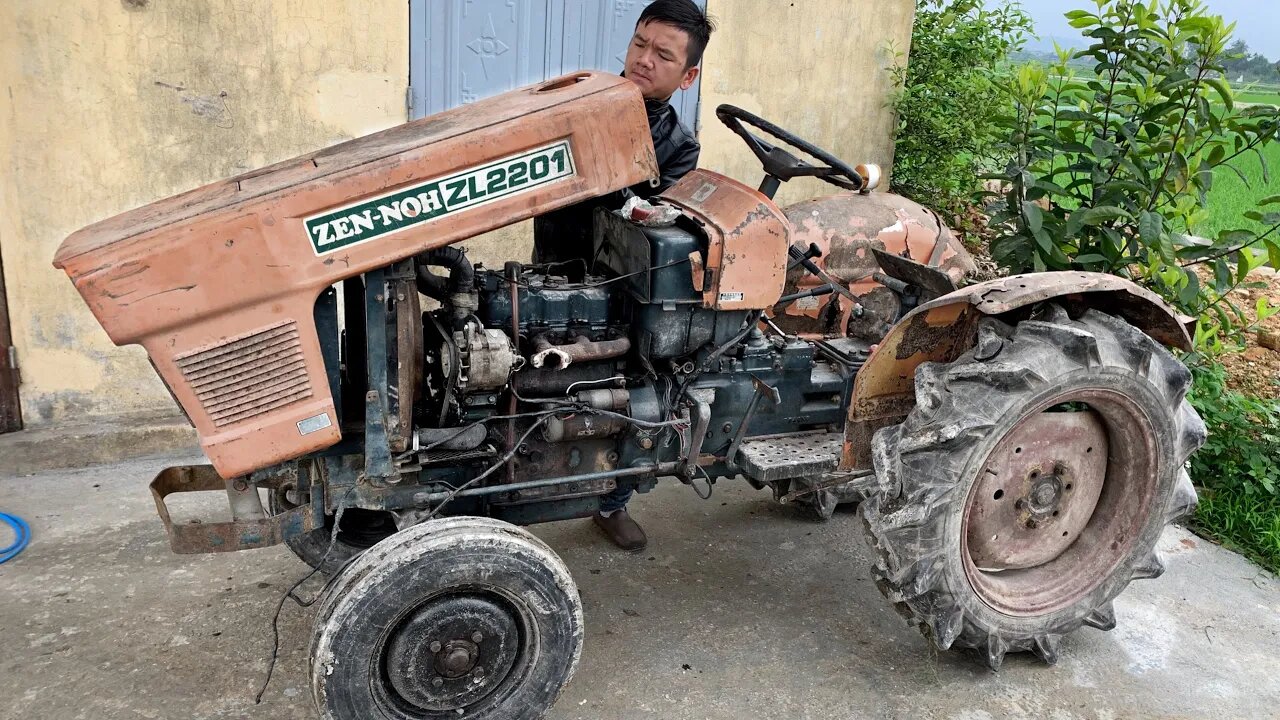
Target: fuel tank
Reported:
[(846, 227)]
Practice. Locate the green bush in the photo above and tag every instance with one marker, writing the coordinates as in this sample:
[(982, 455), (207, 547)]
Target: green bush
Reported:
[(1238, 469), (949, 98), (1110, 168), (1243, 449)]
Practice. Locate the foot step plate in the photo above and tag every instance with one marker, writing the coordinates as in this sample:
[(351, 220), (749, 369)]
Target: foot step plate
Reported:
[(792, 456)]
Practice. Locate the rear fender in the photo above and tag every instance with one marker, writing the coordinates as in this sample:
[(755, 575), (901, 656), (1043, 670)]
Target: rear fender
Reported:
[(944, 329)]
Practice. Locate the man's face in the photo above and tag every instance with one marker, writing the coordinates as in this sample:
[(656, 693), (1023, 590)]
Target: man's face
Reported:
[(656, 60)]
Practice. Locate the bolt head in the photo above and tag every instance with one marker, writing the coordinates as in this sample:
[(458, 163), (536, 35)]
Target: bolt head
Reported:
[(437, 681), (435, 646), (477, 637)]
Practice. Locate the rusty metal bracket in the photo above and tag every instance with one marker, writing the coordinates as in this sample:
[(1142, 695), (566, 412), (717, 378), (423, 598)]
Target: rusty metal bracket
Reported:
[(246, 534), (762, 389), (861, 479)]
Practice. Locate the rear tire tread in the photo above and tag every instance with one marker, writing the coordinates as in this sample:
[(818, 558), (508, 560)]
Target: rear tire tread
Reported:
[(919, 468)]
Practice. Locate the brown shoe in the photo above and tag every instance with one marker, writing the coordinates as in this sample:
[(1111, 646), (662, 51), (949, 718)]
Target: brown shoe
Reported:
[(622, 530)]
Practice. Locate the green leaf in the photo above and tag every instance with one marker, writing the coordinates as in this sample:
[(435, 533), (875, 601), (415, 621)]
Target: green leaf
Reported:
[(1078, 116), (1033, 215), (1221, 275), (1264, 309), (1224, 91), (1104, 148), (1151, 228), (1043, 241), (1217, 154), (1191, 291), (1099, 215), (1270, 200), (1232, 238)]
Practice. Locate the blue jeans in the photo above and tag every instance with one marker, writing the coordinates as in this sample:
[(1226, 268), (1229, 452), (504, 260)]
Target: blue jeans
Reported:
[(615, 500)]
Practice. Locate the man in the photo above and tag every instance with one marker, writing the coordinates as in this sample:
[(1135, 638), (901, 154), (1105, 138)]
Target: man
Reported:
[(663, 57)]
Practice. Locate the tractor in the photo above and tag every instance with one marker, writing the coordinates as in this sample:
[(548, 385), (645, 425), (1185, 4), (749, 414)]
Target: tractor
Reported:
[(395, 413)]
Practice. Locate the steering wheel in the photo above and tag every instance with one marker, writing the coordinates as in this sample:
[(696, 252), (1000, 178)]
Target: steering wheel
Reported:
[(780, 165)]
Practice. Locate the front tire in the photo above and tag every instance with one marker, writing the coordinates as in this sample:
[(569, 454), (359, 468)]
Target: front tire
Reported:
[(460, 617), (1029, 487)]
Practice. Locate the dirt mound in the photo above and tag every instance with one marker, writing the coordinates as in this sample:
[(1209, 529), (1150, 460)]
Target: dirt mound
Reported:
[(1256, 370)]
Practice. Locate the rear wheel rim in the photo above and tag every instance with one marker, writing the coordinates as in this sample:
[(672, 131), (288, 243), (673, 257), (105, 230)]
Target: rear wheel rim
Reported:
[(1027, 581)]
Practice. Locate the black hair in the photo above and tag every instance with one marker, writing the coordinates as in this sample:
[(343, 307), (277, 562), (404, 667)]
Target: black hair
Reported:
[(682, 15)]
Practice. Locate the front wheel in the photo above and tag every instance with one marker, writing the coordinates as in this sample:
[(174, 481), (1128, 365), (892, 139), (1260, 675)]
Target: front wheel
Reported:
[(459, 617), (1028, 487)]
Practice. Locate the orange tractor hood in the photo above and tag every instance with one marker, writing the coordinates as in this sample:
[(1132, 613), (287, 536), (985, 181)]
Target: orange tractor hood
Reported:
[(219, 283)]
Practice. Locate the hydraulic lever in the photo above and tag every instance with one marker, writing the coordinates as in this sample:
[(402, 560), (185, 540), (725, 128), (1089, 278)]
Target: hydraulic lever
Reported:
[(804, 258)]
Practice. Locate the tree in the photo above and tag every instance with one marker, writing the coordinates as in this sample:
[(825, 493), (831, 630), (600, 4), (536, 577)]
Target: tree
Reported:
[(1124, 157)]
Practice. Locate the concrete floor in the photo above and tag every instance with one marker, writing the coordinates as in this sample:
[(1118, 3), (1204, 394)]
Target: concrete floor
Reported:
[(737, 610)]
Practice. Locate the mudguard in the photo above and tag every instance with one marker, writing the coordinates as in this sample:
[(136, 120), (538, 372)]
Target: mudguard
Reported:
[(945, 328)]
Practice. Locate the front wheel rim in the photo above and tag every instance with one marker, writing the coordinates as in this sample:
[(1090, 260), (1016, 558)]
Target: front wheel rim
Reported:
[(453, 653)]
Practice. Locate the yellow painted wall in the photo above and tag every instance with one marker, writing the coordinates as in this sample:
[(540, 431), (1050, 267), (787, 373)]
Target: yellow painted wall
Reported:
[(110, 104), (819, 68)]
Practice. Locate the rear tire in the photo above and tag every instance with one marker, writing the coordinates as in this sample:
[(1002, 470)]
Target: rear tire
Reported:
[(458, 617), (1018, 568)]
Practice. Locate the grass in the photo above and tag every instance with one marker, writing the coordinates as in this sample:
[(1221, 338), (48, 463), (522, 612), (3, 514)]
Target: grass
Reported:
[(1260, 97), (1246, 523), (1232, 196), (1238, 468)]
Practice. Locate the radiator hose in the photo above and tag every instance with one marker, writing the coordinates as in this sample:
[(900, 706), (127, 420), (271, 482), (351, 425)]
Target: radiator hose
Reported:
[(459, 290)]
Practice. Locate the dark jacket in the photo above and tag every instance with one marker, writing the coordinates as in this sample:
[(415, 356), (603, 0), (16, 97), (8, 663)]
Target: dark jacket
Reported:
[(565, 234)]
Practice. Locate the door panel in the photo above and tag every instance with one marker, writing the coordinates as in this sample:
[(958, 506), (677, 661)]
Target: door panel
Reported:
[(478, 48), (463, 50)]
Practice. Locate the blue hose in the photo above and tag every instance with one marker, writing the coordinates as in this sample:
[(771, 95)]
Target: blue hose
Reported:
[(23, 532)]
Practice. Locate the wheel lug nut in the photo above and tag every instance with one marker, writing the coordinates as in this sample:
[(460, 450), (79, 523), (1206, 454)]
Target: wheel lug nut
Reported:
[(435, 646), (477, 637), (437, 682)]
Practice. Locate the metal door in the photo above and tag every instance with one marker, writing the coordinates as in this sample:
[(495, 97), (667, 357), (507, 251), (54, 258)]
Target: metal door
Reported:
[(463, 50), (10, 410)]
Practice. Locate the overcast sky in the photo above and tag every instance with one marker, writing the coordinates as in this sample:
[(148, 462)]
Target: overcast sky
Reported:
[(1257, 21)]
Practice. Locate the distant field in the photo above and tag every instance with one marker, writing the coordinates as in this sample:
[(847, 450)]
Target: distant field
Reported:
[(1258, 97), (1231, 198)]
